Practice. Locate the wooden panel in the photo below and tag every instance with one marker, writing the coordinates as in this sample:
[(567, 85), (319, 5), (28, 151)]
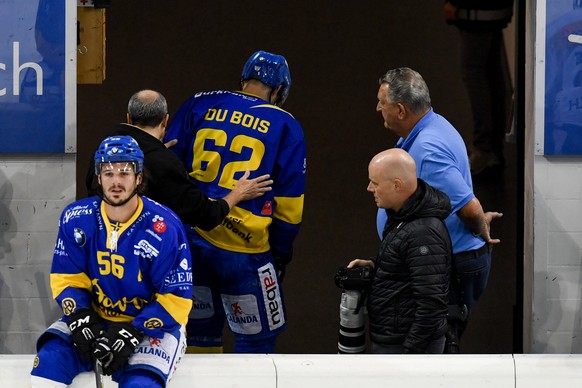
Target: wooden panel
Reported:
[(91, 50)]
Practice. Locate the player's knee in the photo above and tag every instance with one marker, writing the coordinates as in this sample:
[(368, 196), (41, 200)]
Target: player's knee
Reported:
[(57, 361), (140, 378)]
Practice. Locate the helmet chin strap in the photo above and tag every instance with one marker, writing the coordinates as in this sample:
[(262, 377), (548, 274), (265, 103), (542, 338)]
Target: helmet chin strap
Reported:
[(104, 198)]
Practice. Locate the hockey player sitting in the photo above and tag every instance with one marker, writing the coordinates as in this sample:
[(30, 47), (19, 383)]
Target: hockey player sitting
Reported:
[(122, 275)]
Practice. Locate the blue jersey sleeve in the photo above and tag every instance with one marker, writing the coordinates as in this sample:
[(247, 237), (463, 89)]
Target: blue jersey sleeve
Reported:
[(178, 130), (289, 186), (70, 283)]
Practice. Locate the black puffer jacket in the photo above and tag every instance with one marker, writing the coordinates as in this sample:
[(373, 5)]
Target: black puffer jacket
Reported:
[(168, 182), (408, 301)]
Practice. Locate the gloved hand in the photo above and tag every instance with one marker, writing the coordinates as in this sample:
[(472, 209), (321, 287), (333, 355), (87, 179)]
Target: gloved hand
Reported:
[(86, 326), (115, 347), (281, 260)]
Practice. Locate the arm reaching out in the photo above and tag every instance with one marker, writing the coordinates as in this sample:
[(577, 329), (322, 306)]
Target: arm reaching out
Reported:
[(246, 189), (478, 222)]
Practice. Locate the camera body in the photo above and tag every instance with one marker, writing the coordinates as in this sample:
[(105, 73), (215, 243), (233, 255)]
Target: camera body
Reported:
[(356, 278), (355, 282)]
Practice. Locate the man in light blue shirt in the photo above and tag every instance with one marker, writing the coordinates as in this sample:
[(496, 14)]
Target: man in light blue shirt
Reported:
[(441, 160)]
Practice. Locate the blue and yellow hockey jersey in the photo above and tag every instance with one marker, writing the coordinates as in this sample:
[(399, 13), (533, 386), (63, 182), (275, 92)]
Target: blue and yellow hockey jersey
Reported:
[(139, 271), (221, 134)]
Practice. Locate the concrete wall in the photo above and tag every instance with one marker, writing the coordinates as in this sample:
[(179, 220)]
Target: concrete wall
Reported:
[(553, 227), (557, 277), (34, 189)]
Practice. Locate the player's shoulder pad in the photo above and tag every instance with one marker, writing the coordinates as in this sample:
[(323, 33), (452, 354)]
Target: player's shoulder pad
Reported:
[(161, 210), (271, 106)]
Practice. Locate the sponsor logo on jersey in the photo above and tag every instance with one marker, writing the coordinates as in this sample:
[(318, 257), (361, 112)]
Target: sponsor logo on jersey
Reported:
[(179, 278), (267, 209), (184, 264), (242, 313), (202, 305), (100, 224), (155, 351), (153, 323), (113, 308), (76, 212), (196, 305), (69, 305), (60, 248), (232, 224), (151, 233), (144, 249), (210, 93), (80, 237), (272, 296), (159, 224), (143, 215), (238, 316)]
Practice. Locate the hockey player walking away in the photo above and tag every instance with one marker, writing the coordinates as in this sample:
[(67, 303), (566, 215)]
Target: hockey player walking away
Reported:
[(238, 266)]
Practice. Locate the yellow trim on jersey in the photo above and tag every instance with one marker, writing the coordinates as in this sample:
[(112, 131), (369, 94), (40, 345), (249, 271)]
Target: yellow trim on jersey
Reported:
[(176, 306), (122, 226), (272, 107), (60, 281), (289, 209), (240, 231)]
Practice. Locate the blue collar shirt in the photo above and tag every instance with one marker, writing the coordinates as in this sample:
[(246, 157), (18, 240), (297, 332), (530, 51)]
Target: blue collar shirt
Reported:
[(441, 160)]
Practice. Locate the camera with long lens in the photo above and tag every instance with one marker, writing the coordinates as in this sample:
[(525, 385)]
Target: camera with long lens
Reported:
[(355, 282)]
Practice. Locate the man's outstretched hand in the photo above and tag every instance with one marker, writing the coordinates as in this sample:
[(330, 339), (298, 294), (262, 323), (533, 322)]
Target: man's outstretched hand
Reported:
[(246, 189)]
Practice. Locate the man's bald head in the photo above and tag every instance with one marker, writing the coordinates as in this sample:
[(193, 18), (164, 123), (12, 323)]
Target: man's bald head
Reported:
[(393, 179)]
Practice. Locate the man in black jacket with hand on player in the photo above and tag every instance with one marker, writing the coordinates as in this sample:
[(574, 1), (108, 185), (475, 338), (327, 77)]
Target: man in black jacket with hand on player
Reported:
[(168, 181)]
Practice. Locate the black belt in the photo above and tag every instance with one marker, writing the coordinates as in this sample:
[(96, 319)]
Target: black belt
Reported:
[(471, 254)]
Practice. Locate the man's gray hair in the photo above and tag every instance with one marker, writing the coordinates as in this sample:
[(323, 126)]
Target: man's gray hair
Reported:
[(407, 87), (147, 108)]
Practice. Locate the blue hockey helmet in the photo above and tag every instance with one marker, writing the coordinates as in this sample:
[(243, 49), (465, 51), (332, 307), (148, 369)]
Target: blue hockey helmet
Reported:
[(116, 149), (270, 69)]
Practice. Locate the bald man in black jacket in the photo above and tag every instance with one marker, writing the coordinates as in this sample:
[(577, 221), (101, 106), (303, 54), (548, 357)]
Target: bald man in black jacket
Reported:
[(407, 304)]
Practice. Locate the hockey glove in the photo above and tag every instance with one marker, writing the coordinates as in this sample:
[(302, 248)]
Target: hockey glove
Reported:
[(86, 326), (281, 261), (115, 347)]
